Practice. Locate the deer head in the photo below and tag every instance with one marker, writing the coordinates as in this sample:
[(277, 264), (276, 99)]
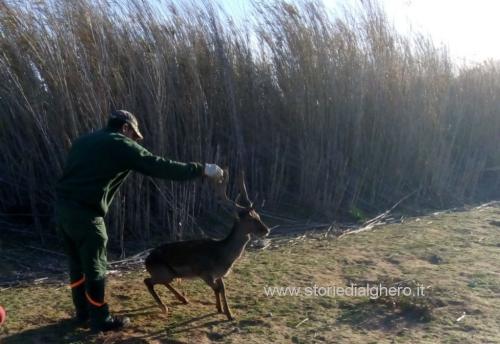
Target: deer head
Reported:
[(248, 219)]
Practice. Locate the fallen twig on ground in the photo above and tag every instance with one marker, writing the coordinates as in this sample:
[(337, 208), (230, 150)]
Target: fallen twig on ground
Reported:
[(135, 259), (377, 220), (300, 323)]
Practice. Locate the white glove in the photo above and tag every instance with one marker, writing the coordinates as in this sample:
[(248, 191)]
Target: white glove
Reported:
[(213, 171)]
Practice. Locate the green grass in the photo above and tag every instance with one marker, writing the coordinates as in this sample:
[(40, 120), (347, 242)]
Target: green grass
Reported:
[(454, 256)]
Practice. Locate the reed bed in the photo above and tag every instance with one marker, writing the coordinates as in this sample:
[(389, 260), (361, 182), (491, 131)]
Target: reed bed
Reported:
[(326, 114)]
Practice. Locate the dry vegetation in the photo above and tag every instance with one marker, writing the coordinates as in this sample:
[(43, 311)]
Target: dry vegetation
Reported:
[(325, 114)]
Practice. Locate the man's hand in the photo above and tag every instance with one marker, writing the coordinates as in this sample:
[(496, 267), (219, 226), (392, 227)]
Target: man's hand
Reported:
[(213, 171)]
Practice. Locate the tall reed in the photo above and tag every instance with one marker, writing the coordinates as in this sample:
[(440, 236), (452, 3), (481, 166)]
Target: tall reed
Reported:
[(326, 114)]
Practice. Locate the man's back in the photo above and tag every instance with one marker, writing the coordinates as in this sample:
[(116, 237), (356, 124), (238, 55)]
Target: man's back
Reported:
[(93, 171)]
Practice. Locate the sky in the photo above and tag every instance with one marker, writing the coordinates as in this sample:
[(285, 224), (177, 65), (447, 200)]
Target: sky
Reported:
[(469, 28)]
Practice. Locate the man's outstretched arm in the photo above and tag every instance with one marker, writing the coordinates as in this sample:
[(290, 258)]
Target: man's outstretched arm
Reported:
[(138, 158)]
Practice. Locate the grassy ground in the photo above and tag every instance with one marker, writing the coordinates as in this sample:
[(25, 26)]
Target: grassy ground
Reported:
[(454, 256)]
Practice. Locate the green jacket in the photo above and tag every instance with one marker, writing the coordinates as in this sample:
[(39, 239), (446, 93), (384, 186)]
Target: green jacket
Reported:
[(99, 162)]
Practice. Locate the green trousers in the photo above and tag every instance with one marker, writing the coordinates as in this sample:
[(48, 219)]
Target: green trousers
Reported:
[(84, 238)]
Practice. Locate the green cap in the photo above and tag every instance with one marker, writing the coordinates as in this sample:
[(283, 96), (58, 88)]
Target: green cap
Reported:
[(129, 118)]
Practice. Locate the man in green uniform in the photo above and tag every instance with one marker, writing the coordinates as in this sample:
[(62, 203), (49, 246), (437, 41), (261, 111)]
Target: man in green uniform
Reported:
[(96, 166)]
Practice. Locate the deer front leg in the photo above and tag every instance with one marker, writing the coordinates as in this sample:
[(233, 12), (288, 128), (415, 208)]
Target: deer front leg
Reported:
[(150, 284), (215, 288), (222, 290), (217, 301)]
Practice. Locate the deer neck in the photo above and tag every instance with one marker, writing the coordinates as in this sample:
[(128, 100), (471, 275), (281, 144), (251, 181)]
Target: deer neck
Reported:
[(236, 242)]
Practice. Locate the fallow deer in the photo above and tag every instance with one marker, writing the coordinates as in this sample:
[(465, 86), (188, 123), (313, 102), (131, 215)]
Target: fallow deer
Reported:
[(208, 259)]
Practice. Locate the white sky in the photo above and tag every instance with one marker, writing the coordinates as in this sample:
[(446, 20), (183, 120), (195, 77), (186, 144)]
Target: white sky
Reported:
[(470, 28)]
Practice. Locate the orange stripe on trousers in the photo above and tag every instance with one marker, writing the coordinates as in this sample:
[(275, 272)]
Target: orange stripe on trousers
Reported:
[(94, 303), (77, 283)]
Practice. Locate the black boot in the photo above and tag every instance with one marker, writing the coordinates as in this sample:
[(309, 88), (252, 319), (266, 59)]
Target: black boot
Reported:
[(112, 323), (81, 318), (100, 319)]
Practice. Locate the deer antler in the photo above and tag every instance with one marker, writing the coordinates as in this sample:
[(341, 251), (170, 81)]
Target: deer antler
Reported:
[(220, 187), (243, 191)]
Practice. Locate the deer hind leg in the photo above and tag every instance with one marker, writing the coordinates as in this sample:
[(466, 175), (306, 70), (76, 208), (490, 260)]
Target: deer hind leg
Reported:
[(150, 284), (159, 275), (178, 295), (215, 288), (222, 291)]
